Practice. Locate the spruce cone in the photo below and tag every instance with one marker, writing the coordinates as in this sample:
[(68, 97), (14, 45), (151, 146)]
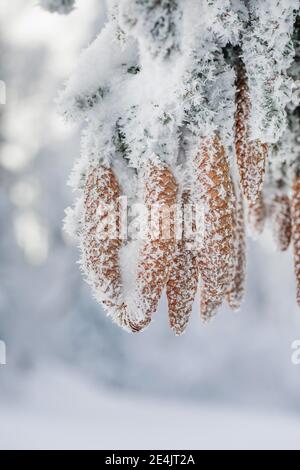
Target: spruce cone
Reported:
[(237, 286), (183, 276), (295, 206), (156, 255), (101, 244), (251, 155), (217, 194), (281, 221), (257, 214)]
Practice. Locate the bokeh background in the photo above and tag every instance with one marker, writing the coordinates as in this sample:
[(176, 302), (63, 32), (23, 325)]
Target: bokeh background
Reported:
[(73, 379)]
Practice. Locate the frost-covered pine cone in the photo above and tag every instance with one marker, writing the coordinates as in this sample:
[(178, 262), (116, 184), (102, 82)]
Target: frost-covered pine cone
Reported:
[(101, 244), (101, 238), (155, 256), (281, 222), (251, 155), (216, 188), (237, 285), (62, 7), (257, 213), (295, 210), (183, 276)]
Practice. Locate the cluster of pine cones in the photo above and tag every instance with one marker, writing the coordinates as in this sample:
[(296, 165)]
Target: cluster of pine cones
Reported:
[(166, 263)]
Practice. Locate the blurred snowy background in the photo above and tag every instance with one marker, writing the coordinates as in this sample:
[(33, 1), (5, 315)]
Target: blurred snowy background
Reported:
[(75, 380)]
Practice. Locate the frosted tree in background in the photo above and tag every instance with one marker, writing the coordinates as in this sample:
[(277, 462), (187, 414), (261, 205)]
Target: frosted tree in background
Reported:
[(191, 108), (58, 6), (33, 254)]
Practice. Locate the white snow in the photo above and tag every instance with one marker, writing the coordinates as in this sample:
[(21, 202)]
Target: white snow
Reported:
[(60, 411)]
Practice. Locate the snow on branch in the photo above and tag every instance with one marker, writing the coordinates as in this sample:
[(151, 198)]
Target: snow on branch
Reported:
[(155, 23), (268, 53)]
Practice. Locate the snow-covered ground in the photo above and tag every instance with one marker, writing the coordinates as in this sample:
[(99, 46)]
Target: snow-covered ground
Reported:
[(57, 410)]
